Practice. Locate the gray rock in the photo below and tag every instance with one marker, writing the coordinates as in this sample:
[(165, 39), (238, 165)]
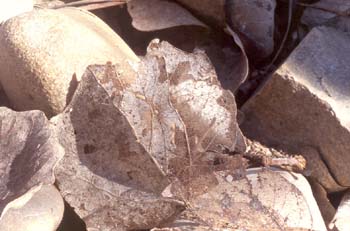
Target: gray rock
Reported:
[(323, 11), (306, 104), (39, 209), (45, 52)]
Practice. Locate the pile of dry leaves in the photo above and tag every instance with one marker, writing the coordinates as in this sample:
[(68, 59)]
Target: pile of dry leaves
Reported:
[(174, 115)]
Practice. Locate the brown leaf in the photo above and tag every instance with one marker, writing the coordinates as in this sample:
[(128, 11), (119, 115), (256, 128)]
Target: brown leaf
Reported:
[(135, 134), (211, 10), (254, 22), (263, 200), (159, 14), (105, 162), (29, 151), (241, 69), (206, 114)]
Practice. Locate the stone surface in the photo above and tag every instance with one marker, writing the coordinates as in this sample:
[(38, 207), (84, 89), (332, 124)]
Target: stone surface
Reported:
[(12, 8), (306, 103), (38, 210), (315, 16), (45, 52), (341, 219)]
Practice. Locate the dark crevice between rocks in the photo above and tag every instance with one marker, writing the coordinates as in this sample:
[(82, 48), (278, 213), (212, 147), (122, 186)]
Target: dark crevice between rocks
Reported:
[(72, 87), (4, 101), (71, 221), (335, 198)]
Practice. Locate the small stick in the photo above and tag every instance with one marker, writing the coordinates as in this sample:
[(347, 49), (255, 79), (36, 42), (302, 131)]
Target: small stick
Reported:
[(90, 4)]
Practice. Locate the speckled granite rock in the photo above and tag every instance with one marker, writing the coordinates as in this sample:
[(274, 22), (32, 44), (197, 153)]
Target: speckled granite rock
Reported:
[(306, 105), (40, 209), (44, 53)]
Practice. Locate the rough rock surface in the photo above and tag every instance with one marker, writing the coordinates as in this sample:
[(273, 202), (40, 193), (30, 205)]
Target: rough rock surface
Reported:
[(13, 8), (40, 210), (306, 104), (43, 55), (315, 16)]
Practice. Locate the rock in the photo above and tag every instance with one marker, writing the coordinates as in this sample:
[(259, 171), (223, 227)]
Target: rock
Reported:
[(306, 103), (14, 7), (45, 52), (40, 209), (341, 218), (323, 11)]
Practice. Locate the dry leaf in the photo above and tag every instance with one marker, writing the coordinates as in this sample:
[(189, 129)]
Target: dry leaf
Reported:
[(263, 200), (174, 119), (242, 68), (159, 14), (254, 22), (211, 10), (105, 162), (29, 151), (176, 95)]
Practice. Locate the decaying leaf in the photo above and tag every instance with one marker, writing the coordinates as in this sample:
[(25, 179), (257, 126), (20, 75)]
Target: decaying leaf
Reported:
[(263, 200), (29, 151), (242, 67), (254, 22), (125, 136), (159, 14), (105, 162), (211, 10), (179, 111)]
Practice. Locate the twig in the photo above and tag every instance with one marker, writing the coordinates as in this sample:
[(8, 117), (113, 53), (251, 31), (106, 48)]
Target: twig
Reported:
[(90, 4), (270, 157)]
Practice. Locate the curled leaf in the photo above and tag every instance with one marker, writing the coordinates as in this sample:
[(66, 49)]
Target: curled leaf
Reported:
[(29, 151), (254, 22), (159, 14), (211, 10)]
